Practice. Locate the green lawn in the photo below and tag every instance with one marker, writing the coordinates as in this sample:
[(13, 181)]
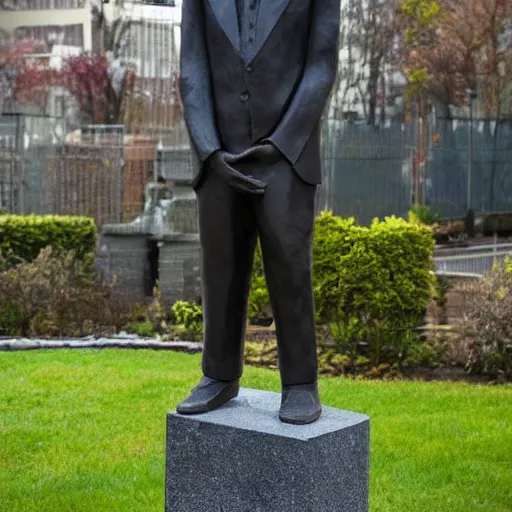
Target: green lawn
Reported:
[(84, 431)]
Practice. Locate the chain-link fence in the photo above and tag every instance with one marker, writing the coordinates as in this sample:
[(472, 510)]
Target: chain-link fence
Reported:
[(9, 185), (469, 165), (450, 165), (98, 172), (25, 144), (368, 170)]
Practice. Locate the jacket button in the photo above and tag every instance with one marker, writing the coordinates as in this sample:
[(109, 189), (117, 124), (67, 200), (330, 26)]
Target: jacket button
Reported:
[(248, 69), (244, 96)]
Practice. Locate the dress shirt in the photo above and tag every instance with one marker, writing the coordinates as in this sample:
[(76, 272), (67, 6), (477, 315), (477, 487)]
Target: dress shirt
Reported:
[(247, 11)]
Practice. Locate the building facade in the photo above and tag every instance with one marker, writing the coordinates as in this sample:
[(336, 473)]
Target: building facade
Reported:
[(57, 28), (49, 22), (151, 46)]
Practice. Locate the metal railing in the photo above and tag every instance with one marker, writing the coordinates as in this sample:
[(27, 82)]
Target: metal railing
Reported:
[(473, 261)]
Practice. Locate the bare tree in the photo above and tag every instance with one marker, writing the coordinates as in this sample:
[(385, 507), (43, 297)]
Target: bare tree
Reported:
[(379, 29), (366, 45)]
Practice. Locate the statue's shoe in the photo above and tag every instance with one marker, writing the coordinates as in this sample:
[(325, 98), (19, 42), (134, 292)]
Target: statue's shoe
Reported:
[(208, 395), (300, 404)]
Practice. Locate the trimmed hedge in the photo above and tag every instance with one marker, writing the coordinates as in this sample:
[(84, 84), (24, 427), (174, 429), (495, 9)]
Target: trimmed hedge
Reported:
[(22, 237), (382, 271)]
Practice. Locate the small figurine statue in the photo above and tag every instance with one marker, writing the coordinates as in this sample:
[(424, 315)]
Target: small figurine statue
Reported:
[(254, 81)]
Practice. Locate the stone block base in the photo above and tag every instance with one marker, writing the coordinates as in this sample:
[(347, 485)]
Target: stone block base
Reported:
[(241, 458)]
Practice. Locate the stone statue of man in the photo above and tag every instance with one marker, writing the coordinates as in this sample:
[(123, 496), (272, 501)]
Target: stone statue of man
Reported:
[(255, 78)]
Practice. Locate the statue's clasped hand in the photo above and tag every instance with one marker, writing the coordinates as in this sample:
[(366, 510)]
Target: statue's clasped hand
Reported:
[(236, 168)]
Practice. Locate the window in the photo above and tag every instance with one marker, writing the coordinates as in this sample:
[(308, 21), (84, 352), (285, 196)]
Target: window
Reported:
[(49, 35)]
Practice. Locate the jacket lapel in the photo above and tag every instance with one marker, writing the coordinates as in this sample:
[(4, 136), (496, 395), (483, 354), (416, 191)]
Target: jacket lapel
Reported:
[(225, 12), (269, 13)]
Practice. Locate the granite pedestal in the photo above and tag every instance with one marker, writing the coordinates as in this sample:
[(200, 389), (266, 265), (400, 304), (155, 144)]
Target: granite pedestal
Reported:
[(241, 458)]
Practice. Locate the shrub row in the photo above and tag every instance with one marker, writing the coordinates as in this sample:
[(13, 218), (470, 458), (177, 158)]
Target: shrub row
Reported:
[(371, 284)]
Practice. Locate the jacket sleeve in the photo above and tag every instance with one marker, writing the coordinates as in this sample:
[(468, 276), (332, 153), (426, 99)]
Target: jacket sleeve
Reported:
[(195, 82), (308, 102)]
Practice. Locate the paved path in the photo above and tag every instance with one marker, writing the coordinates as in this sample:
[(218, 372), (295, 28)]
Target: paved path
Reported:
[(120, 341)]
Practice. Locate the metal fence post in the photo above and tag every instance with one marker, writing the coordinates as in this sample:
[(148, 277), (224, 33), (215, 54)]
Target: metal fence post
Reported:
[(472, 97)]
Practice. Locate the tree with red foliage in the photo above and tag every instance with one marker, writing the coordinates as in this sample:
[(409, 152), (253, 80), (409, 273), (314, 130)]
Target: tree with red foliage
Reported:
[(100, 91), (33, 82), (13, 64)]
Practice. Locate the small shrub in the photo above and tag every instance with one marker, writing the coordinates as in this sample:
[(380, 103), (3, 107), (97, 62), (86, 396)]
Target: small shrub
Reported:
[(56, 296), (261, 353), (445, 346), (486, 328), (438, 307), (443, 231), (448, 230), (23, 237), (156, 312), (139, 322), (188, 317), (143, 329), (259, 300), (422, 214), (183, 321), (148, 320), (421, 355)]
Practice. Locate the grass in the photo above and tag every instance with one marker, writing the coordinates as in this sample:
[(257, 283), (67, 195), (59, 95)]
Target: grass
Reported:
[(84, 431)]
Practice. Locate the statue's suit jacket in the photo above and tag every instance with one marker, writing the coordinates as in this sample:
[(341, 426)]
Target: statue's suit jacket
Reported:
[(276, 92)]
